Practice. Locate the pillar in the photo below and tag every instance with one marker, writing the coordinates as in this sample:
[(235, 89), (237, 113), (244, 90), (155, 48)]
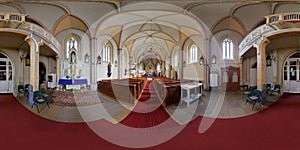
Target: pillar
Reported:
[(261, 62), (93, 63), (58, 67), (34, 63), (241, 70), (180, 66), (119, 63)]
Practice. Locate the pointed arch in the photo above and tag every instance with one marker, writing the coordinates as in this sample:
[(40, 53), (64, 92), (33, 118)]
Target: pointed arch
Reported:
[(229, 23), (70, 22)]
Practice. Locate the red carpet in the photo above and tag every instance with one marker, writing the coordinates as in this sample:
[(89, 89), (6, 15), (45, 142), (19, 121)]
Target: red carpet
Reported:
[(276, 128), (148, 112)]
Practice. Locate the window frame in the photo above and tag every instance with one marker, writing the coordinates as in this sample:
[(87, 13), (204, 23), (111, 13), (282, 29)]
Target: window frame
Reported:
[(107, 52), (68, 46), (193, 53), (228, 48), (176, 59)]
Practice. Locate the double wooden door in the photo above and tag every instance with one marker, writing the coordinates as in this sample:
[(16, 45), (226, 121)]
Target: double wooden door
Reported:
[(230, 78)]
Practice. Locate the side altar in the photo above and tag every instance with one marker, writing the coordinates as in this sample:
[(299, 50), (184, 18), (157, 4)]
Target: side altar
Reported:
[(73, 84)]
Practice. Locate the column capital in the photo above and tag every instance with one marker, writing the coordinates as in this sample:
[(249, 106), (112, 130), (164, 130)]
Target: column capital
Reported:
[(261, 41)]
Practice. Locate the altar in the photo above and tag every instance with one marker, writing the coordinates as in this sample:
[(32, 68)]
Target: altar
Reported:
[(73, 84), (149, 76)]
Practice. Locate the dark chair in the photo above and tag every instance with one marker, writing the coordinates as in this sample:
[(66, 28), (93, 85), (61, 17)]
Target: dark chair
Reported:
[(249, 91), (268, 88), (39, 100), (21, 90), (262, 99), (45, 94), (276, 90), (26, 88), (254, 97)]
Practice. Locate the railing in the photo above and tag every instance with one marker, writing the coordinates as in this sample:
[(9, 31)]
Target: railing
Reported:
[(271, 20), (252, 37), (12, 17), (288, 17), (43, 33), (23, 25)]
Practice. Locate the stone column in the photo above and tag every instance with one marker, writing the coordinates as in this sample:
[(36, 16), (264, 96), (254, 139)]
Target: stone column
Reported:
[(34, 63), (119, 63), (93, 63), (58, 67), (261, 45), (180, 65), (241, 70), (168, 66)]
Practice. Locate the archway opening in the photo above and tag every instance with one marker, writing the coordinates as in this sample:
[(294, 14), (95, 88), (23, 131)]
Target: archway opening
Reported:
[(6, 74), (42, 73), (291, 73)]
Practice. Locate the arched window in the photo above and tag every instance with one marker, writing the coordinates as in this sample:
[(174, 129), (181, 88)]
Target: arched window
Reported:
[(176, 59), (193, 53), (71, 43), (106, 52), (227, 48)]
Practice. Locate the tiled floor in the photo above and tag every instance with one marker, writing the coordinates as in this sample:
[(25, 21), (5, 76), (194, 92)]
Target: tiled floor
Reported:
[(215, 104)]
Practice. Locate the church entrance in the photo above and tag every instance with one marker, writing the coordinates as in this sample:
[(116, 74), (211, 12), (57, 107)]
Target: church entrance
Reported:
[(291, 74), (6, 74)]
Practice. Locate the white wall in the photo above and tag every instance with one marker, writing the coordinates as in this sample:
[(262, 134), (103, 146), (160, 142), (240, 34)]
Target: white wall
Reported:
[(193, 71)]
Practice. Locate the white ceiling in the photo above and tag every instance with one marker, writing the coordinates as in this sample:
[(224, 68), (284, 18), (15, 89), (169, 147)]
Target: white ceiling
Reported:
[(136, 25)]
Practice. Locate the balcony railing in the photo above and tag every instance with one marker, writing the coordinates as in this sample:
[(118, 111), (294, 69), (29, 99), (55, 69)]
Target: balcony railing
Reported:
[(252, 37), (15, 20), (42, 33), (12, 17), (273, 22), (288, 17)]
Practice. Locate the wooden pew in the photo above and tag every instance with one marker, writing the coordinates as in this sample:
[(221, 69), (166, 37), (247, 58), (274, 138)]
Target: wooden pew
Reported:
[(169, 90), (123, 92), (139, 84)]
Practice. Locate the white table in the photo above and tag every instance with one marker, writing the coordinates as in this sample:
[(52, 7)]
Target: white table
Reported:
[(190, 97)]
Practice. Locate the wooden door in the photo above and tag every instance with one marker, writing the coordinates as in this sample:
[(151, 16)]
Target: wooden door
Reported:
[(230, 78)]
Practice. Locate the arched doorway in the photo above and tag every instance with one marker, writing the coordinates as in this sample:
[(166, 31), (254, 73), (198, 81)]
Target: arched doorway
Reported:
[(42, 71), (291, 73), (6, 74)]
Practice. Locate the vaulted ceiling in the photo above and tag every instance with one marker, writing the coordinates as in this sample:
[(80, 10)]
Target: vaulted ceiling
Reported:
[(156, 31)]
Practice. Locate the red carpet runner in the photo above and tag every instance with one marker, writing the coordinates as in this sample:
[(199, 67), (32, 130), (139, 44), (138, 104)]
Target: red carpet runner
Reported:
[(148, 112), (276, 128)]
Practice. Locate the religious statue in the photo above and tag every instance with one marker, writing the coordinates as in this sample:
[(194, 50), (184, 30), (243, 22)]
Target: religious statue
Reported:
[(73, 58), (109, 70)]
